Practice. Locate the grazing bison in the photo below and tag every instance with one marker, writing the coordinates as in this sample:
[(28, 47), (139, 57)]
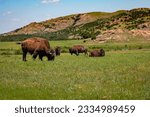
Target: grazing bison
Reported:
[(77, 49), (37, 46), (97, 53), (58, 51)]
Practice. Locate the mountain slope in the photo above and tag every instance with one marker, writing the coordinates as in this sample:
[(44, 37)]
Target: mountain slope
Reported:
[(89, 25), (59, 23)]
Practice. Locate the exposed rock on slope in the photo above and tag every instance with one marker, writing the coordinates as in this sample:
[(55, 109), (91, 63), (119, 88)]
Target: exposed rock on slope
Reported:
[(100, 26)]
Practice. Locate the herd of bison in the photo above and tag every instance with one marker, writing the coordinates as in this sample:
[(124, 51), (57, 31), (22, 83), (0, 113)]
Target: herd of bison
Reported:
[(41, 47)]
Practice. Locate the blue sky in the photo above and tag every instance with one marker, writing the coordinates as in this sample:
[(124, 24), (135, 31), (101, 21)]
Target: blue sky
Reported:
[(17, 13)]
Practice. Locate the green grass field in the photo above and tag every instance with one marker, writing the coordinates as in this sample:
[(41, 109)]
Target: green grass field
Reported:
[(121, 74)]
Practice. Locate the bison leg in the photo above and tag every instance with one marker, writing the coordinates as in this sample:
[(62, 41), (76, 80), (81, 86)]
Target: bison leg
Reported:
[(35, 54), (71, 53), (77, 53), (41, 57), (24, 56), (85, 51)]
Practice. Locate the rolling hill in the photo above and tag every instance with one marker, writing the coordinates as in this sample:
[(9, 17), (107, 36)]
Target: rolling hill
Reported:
[(97, 26)]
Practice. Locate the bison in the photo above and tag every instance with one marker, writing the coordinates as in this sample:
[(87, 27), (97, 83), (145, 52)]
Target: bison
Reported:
[(37, 46), (97, 53), (76, 49), (58, 51)]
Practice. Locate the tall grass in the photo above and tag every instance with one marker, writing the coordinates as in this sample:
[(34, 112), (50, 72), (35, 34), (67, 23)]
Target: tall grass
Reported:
[(118, 75), (122, 74)]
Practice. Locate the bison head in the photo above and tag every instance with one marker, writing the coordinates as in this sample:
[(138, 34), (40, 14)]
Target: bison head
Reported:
[(102, 52), (51, 54), (58, 51)]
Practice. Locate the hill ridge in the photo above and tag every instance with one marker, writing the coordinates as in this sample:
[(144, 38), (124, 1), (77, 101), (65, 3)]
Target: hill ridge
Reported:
[(87, 25)]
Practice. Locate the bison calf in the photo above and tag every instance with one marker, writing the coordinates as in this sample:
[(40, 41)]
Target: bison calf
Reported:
[(97, 53), (58, 51), (77, 49), (37, 46)]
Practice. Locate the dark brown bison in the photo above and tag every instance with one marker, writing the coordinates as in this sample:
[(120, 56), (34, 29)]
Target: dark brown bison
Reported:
[(76, 49), (58, 51), (37, 46), (97, 53)]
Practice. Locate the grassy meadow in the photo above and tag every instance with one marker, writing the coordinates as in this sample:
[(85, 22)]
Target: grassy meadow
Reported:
[(124, 73)]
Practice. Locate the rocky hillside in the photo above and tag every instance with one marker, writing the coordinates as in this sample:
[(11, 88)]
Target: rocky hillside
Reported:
[(99, 26), (60, 23)]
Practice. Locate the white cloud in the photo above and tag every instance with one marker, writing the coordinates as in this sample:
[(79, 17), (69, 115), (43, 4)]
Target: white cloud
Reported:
[(7, 13), (49, 1)]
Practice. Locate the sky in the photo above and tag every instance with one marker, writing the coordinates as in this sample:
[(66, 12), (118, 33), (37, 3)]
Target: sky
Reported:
[(17, 13)]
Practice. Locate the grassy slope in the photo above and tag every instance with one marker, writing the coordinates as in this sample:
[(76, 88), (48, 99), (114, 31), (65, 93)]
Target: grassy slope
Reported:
[(9, 48), (118, 75)]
